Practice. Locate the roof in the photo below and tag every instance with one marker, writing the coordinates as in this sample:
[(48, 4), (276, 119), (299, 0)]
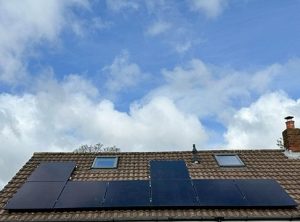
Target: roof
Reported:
[(260, 164)]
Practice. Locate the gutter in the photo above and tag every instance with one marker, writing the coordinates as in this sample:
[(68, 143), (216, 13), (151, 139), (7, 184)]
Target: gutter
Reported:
[(145, 219)]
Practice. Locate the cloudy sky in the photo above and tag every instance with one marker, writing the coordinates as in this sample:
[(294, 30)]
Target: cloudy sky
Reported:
[(145, 75)]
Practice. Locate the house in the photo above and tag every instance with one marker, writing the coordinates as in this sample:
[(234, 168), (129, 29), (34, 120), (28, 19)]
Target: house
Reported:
[(213, 185)]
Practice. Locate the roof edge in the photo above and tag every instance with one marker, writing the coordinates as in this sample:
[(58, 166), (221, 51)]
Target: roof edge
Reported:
[(177, 151), (197, 218)]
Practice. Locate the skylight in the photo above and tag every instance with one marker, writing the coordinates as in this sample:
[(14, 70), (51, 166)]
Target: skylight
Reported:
[(105, 162), (229, 160)]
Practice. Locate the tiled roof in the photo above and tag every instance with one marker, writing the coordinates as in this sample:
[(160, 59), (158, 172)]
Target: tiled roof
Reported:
[(260, 164)]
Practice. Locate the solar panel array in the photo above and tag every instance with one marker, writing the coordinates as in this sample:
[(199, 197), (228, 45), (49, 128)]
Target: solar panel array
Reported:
[(89, 194), (43, 187), (168, 170), (52, 171), (169, 186), (134, 193), (36, 196)]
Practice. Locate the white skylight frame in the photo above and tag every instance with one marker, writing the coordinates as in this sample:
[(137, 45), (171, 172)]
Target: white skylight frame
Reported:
[(239, 162), (113, 166)]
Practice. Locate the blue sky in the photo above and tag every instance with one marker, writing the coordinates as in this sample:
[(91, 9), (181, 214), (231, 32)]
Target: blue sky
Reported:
[(145, 75)]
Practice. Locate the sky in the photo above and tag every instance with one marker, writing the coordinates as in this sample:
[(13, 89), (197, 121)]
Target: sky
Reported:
[(145, 75)]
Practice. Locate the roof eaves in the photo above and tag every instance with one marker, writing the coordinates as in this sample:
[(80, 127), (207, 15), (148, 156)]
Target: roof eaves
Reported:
[(197, 218)]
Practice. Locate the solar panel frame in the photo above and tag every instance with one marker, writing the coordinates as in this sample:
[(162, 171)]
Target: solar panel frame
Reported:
[(35, 196), (82, 195), (219, 193), (127, 194), (52, 171), (173, 193), (168, 170), (264, 193)]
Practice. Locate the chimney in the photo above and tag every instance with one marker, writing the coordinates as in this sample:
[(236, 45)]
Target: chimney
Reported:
[(291, 135)]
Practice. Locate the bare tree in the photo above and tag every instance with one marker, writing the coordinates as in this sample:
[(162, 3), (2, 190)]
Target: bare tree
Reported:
[(280, 143), (99, 147)]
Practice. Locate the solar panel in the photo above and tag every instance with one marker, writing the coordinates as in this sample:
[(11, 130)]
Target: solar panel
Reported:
[(265, 193), (179, 193), (134, 193), (35, 196), (168, 169), (52, 171), (82, 194), (218, 193)]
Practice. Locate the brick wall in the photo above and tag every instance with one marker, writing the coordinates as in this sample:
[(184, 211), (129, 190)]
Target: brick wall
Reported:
[(291, 139)]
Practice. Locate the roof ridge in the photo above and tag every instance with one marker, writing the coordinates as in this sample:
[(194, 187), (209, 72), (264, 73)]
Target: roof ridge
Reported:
[(162, 152)]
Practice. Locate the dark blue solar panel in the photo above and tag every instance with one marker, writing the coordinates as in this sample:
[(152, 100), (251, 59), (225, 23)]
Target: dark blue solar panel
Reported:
[(132, 193), (35, 196), (82, 194), (168, 169), (52, 171), (218, 193), (265, 193), (179, 193)]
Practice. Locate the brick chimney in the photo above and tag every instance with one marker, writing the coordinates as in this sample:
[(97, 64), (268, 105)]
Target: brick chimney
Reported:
[(291, 135)]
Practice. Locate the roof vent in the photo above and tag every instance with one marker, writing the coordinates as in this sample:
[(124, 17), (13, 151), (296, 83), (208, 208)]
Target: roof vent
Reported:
[(195, 158)]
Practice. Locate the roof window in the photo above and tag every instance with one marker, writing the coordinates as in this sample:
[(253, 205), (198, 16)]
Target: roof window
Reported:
[(108, 162), (229, 160)]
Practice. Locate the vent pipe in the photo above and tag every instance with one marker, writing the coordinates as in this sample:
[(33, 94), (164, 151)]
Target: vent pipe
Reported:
[(195, 158)]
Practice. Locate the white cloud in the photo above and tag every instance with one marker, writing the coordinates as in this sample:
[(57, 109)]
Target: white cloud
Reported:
[(206, 90), (158, 28), (228, 96), (122, 74), (83, 27), (98, 23), (261, 124), (154, 7), (183, 47), (118, 5), (25, 25), (211, 8), (61, 116)]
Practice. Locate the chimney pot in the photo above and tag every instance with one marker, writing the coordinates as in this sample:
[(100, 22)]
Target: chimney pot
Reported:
[(290, 123)]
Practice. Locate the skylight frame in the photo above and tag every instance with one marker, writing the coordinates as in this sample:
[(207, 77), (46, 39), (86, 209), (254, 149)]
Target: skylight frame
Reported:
[(240, 164), (114, 166)]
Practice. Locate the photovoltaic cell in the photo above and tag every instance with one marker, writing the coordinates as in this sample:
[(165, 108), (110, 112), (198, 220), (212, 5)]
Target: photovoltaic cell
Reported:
[(168, 170), (218, 193), (82, 194), (179, 193), (134, 193), (52, 171), (36, 196), (264, 193)]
